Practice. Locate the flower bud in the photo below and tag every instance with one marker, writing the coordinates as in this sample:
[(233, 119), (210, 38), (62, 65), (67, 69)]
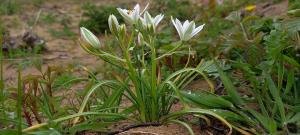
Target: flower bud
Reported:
[(88, 37), (113, 24), (140, 39), (122, 31)]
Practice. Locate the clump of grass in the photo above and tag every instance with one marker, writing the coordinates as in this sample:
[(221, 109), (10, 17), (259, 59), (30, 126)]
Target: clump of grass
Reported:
[(9, 7), (64, 33), (37, 3), (48, 18), (95, 17)]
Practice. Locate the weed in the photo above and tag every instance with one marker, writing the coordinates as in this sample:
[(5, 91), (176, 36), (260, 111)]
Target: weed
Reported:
[(268, 62), (9, 7), (170, 7), (61, 81), (64, 33), (37, 3), (48, 18), (96, 17)]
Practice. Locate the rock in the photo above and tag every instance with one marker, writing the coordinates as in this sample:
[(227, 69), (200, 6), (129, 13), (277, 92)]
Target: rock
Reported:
[(8, 41), (32, 40), (29, 40), (272, 10)]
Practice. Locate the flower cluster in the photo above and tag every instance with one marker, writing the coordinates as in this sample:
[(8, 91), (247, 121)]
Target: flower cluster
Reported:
[(186, 31)]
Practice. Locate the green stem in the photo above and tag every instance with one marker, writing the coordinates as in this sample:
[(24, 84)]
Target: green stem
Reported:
[(19, 102), (245, 33), (153, 82), (170, 52), (133, 76)]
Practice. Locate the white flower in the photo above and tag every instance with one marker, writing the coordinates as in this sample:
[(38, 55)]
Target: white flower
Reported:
[(149, 20), (186, 30), (131, 16), (113, 24), (89, 37)]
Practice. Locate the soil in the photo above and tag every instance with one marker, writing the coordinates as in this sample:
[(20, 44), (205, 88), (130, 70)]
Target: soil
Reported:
[(171, 129)]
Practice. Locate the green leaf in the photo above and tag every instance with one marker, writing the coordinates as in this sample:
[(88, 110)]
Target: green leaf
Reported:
[(291, 61), (275, 94), (295, 118), (290, 81), (100, 114), (177, 114), (293, 25), (266, 122), (232, 92), (234, 16), (207, 99), (229, 115), (91, 91)]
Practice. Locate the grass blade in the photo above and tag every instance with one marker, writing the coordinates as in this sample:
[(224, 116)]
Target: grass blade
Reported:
[(19, 102), (275, 94), (232, 92)]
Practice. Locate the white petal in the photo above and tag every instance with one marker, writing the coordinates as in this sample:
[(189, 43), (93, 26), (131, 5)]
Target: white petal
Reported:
[(136, 12), (110, 22), (189, 30), (115, 20), (135, 16), (148, 18), (185, 25), (113, 23), (176, 26), (179, 25), (137, 8), (143, 20), (125, 15), (157, 19), (197, 30), (89, 37)]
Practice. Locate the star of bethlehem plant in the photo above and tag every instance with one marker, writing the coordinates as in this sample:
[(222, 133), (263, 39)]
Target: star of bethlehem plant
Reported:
[(151, 96)]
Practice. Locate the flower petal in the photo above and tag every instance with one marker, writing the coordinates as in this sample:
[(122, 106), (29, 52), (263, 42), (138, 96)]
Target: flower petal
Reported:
[(125, 15), (197, 30), (89, 37), (189, 30), (179, 25), (175, 25), (185, 25), (148, 18), (157, 19)]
